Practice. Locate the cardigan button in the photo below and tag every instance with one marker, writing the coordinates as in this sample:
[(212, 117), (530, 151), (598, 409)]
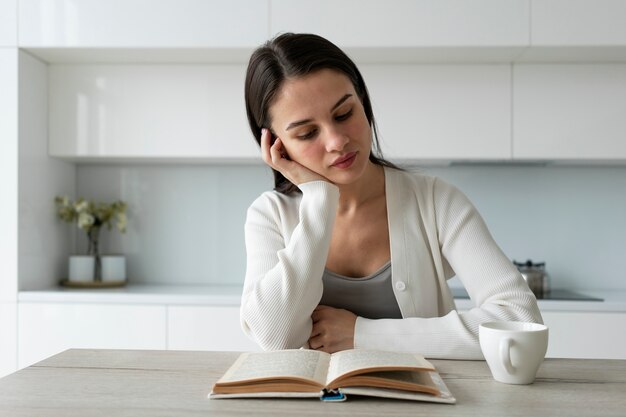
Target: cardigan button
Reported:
[(400, 286)]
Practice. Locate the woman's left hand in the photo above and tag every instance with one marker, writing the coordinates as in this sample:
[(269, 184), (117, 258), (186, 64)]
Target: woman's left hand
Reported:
[(333, 329)]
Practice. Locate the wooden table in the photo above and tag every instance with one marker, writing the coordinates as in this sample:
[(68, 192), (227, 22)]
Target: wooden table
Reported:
[(170, 383)]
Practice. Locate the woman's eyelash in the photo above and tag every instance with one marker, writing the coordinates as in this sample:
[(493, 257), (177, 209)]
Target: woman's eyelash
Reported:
[(344, 116), (340, 118), (308, 135)]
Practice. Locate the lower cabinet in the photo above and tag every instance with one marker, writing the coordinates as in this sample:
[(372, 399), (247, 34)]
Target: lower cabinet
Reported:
[(586, 335), (45, 329), (206, 328)]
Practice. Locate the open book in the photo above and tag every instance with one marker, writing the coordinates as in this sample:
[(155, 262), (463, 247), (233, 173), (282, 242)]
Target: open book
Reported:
[(310, 373)]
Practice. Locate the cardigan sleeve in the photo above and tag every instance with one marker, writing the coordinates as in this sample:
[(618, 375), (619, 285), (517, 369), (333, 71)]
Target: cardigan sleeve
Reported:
[(492, 282), (283, 282)]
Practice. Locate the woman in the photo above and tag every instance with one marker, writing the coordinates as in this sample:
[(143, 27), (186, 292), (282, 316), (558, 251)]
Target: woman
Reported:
[(348, 250)]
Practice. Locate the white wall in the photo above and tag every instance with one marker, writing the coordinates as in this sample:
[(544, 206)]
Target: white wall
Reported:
[(43, 241), (186, 222)]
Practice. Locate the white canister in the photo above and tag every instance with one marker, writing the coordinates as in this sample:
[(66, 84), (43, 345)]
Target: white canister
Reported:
[(113, 267), (82, 268)]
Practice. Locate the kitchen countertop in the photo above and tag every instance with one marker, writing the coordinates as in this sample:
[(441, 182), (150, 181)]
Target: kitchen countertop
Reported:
[(91, 382), (230, 295)]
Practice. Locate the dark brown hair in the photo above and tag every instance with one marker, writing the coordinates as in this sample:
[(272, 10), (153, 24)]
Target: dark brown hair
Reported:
[(293, 55)]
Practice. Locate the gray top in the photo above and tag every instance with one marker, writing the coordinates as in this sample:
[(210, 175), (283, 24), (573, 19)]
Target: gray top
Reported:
[(371, 297)]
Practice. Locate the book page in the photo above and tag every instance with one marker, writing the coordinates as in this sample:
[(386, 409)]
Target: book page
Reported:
[(296, 363), (353, 361)]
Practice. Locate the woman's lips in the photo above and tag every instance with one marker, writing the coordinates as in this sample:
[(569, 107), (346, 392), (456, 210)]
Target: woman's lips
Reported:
[(345, 161)]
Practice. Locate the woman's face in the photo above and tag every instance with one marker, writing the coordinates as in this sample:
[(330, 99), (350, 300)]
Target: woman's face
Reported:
[(322, 124)]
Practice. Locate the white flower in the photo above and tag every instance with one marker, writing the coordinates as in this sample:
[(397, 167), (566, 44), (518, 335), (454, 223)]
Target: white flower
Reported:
[(81, 206), (121, 222), (85, 220)]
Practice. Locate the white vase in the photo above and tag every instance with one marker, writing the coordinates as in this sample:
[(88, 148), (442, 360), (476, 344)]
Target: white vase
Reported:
[(113, 267), (82, 268)]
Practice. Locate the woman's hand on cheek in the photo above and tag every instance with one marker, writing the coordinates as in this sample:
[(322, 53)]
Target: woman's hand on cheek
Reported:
[(333, 329), (275, 155)]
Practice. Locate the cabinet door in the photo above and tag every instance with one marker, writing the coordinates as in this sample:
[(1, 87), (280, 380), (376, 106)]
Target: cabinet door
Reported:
[(142, 23), (46, 329), (578, 22), (206, 328), (569, 112), (586, 335), (149, 111), (406, 23), (8, 23), (442, 111)]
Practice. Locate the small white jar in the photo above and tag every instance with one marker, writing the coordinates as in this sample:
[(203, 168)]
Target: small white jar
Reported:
[(82, 268), (113, 268)]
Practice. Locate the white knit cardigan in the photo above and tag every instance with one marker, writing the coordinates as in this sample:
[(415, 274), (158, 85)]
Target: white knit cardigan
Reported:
[(434, 231)]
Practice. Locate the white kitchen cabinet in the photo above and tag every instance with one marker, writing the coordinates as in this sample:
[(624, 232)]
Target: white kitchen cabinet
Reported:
[(8, 343), (576, 31), (8, 23), (407, 23), (48, 328), (142, 23), (8, 173), (206, 328), (586, 335), (569, 112), (446, 112), (155, 111), (198, 112), (578, 22)]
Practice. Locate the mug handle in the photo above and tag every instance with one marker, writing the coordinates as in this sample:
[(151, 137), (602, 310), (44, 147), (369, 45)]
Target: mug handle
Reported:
[(505, 354)]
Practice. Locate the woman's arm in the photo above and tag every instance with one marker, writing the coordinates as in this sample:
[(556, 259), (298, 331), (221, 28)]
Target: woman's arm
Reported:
[(492, 281), (283, 283)]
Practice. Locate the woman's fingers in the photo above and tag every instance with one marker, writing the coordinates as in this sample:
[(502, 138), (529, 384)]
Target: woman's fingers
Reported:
[(272, 154), (277, 152), (275, 155)]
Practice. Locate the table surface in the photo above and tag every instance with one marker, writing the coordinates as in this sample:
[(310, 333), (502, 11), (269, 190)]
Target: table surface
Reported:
[(94, 382)]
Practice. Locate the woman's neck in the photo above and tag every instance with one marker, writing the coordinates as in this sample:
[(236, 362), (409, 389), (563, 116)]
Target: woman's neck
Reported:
[(370, 186)]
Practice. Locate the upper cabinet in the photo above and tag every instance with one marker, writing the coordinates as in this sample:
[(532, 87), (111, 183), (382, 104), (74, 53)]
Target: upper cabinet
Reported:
[(408, 30), (578, 22), (442, 112), (371, 31), (8, 23), (406, 23), (148, 111), (569, 112), (164, 79), (576, 30), (142, 23)]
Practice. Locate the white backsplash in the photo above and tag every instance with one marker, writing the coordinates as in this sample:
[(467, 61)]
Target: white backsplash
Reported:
[(186, 221)]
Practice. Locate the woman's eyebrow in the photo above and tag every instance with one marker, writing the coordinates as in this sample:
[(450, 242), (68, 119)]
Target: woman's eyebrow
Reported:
[(305, 121), (341, 100)]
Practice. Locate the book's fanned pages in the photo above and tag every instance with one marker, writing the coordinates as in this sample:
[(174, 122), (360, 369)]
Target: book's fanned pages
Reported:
[(300, 373), (444, 396)]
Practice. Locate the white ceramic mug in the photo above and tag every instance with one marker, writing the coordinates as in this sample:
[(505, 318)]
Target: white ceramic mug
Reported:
[(513, 350)]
